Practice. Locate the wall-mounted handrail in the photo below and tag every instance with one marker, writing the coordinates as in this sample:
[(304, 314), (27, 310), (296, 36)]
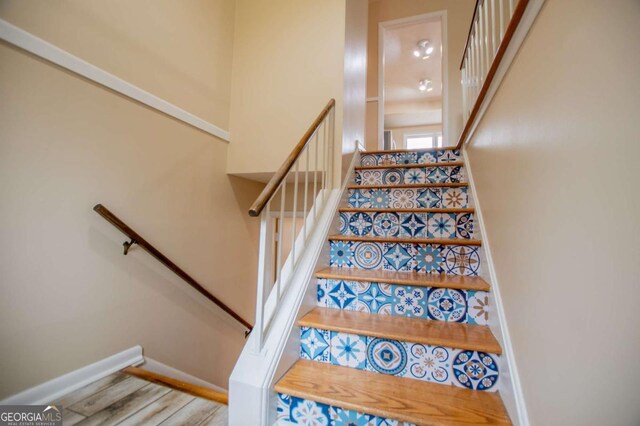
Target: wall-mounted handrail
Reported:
[(484, 51), (144, 244), (270, 189)]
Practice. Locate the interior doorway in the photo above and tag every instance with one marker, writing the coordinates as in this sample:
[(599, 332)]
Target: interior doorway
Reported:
[(412, 82)]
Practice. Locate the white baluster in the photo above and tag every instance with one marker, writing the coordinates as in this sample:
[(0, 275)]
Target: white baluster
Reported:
[(264, 275), (481, 39), (501, 3), (325, 147), (463, 81), (479, 59), (332, 138), (494, 45), (487, 40), (306, 190), (294, 218), (472, 71), (315, 181), (279, 262)]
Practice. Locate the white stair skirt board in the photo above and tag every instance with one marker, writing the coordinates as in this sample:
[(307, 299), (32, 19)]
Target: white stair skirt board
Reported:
[(165, 370), (512, 395), (45, 50), (62, 385), (251, 399)]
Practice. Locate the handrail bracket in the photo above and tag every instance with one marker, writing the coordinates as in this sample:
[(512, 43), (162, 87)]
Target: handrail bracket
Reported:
[(127, 245)]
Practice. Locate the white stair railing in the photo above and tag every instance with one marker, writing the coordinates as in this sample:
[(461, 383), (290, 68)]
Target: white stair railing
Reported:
[(493, 21), (299, 189)]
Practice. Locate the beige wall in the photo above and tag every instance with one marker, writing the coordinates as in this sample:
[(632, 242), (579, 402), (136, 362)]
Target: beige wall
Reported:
[(355, 77), (459, 13), (179, 51), (555, 166), (287, 64), (68, 295)]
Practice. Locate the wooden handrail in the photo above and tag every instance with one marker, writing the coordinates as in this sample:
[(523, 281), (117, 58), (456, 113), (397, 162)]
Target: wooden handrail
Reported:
[(137, 239), (269, 191), (466, 46), (504, 44)]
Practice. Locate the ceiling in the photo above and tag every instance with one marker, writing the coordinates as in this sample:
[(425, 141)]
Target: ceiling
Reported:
[(402, 71)]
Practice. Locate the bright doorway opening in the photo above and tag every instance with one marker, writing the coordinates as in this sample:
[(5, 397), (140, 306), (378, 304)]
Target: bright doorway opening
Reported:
[(420, 141), (412, 82)]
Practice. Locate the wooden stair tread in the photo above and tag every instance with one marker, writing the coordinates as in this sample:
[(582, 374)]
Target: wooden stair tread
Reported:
[(457, 282), (414, 210), (410, 166), (437, 333), (392, 397), (411, 185), (374, 239)]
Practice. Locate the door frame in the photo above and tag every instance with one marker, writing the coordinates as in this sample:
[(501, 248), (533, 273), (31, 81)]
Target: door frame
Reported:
[(441, 16)]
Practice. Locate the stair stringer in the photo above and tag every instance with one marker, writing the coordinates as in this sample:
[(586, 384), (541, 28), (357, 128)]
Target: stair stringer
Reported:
[(252, 400), (509, 385)]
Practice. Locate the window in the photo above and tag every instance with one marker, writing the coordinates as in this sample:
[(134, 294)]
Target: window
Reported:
[(418, 141)]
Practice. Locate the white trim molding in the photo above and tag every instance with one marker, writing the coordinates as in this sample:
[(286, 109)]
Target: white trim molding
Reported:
[(45, 50), (62, 385), (513, 397)]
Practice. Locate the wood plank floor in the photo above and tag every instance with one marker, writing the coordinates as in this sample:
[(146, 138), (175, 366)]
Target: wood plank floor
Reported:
[(122, 399)]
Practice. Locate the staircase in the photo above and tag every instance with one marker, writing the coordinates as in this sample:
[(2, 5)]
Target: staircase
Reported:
[(400, 334)]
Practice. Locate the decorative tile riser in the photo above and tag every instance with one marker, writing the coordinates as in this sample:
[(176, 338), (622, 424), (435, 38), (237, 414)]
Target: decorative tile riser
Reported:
[(411, 175), (432, 303), (407, 224), (306, 412), (427, 258), (436, 364), (409, 198), (431, 157)]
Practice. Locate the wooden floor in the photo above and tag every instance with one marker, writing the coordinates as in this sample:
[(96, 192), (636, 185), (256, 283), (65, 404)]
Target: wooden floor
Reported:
[(122, 399)]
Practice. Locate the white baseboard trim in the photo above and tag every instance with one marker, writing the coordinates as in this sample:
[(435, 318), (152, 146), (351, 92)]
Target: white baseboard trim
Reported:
[(45, 50), (165, 370), (507, 347), (62, 385)]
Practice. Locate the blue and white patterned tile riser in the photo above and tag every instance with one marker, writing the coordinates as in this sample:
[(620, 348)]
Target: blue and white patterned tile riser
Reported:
[(411, 175), (407, 224), (430, 258), (305, 412), (435, 364), (430, 303), (409, 198), (425, 157)]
